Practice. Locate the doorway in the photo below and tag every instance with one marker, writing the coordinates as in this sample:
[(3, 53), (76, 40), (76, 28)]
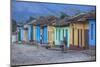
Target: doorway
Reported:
[(86, 38)]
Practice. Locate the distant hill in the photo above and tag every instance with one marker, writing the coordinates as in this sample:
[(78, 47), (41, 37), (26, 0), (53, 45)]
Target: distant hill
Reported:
[(21, 11)]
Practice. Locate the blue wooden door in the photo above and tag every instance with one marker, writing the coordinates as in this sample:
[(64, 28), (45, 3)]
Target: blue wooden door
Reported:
[(38, 34), (92, 32), (45, 35)]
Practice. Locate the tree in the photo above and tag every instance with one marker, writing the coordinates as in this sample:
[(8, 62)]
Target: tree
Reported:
[(14, 25), (63, 15), (31, 18)]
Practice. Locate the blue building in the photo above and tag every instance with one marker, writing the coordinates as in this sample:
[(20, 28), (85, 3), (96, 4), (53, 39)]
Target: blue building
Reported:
[(41, 30), (41, 34), (30, 29), (37, 33), (92, 32)]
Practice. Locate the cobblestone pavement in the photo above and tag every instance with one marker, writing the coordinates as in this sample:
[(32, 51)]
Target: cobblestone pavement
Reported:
[(22, 54)]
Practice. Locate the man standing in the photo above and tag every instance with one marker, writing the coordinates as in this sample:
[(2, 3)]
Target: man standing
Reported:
[(65, 44)]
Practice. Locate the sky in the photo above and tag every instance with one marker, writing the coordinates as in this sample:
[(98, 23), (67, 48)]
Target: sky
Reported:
[(21, 11)]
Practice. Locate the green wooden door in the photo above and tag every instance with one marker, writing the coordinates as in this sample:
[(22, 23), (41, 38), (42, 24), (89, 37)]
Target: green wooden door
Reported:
[(66, 37), (19, 35)]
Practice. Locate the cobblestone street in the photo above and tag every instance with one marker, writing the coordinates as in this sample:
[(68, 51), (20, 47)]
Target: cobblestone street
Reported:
[(23, 54)]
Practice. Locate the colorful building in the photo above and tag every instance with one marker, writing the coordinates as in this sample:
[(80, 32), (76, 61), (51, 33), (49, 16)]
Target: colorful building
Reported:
[(51, 37), (20, 32), (28, 34), (92, 32), (25, 33), (40, 30), (62, 31), (51, 30), (79, 34), (43, 30), (31, 30), (80, 29), (92, 29)]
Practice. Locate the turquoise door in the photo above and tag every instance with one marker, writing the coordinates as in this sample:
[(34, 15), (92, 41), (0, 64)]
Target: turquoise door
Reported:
[(66, 37), (31, 33), (19, 35)]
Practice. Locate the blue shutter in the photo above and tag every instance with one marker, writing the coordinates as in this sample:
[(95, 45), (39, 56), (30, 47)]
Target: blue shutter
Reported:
[(45, 35)]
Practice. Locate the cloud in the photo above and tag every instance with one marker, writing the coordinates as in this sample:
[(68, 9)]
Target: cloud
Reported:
[(25, 9)]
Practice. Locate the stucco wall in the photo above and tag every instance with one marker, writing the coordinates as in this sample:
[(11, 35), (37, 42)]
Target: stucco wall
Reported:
[(59, 35), (92, 32), (50, 34), (78, 26), (25, 33)]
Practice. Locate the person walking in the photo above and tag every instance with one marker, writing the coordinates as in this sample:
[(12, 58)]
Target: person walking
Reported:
[(62, 46), (41, 39), (65, 44)]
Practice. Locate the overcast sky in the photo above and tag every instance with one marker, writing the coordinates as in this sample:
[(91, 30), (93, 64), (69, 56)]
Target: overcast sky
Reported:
[(21, 11)]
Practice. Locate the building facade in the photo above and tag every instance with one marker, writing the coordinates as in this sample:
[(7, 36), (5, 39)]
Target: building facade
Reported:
[(92, 32)]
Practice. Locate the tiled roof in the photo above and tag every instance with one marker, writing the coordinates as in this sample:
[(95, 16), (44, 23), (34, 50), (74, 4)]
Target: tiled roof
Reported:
[(61, 22), (55, 21), (43, 21), (82, 17)]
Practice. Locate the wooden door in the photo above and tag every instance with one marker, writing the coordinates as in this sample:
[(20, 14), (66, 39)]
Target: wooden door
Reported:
[(86, 38), (49, 37), (79, 38), (73, 36), (52, 37)]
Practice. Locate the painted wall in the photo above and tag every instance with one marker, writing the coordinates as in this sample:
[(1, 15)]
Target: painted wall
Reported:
[(25, 33), (13, 38), (77, 34), (51, 37), (92, 32), (60, 33)]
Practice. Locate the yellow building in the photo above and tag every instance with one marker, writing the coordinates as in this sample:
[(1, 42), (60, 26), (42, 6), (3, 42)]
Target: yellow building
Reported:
[(79, 32), (51, 29), (25, 33), (51, 35)]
